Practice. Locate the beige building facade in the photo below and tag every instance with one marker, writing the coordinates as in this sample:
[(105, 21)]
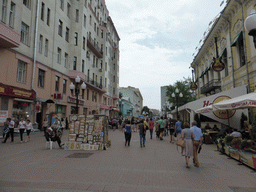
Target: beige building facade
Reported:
[(44, 46), (228, 41)]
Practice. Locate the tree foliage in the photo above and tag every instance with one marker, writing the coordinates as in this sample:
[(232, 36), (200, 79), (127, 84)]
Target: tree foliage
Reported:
[(145, 109), (184, 88)]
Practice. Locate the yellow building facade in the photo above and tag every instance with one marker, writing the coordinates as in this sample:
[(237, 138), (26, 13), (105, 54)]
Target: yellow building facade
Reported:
[(228, 41)]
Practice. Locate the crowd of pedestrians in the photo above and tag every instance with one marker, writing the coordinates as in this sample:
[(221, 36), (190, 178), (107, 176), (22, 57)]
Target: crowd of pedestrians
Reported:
[(192, 136)]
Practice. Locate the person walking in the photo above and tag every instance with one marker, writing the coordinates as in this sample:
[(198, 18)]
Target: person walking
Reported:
[(62, 124), (178, 128), (45, 125), (142, 131), (10, 123), (6, 128), (188, 137), (151, 127), (198, 140), (29, 127), (161, 127), (128, 133), (21, 128), (171, 128)]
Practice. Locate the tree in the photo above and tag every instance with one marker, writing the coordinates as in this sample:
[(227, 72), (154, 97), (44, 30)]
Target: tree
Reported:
[(145, 109), (184, 88), (120, 95)]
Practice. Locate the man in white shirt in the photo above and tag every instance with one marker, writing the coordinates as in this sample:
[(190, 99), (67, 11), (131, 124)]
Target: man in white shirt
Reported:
[(198, 140), (21, 127), (10, 123)]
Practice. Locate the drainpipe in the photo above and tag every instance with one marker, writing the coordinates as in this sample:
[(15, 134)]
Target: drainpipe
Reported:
[(34, 54), (229, 30), (245, 52)]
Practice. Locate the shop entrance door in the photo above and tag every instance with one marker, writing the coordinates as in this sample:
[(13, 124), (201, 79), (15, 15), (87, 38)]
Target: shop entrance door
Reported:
[(39, 120)]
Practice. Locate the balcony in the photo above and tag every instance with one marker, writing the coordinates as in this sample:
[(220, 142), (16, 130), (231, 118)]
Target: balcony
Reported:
[(211, 86), (96, 85), (94, 47), (8, 37)]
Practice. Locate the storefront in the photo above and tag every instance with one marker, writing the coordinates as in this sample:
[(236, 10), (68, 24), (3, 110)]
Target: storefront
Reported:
[(18, 102)]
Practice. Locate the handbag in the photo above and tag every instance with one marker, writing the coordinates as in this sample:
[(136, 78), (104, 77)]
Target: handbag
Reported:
[(180, 143)]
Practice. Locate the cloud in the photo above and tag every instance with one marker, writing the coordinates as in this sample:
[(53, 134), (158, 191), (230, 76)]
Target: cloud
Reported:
[(158, 38)]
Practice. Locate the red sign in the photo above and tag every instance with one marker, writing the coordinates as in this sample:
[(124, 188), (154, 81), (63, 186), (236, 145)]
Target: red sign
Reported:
[(16, 92), (73, 100)]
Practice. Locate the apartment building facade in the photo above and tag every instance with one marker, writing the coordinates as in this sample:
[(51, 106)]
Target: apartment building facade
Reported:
[(45, 45), (228, 41), (135, 98)]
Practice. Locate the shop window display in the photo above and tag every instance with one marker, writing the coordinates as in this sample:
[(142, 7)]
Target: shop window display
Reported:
[(21, 109)]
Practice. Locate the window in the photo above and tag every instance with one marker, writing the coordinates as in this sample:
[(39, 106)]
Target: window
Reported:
[(57, 83), (92, 95), (64, 85), (42, 11), (97, 31), (106, 51), (82, 66), (101, 65), (101, 33), (88, 94), (100, 80), (41, 76), (26, 3), (105, 82), (60, 28), (48, 17), (74, 63), (76, 39), (11, 16), (114, 78), (93, 62), (73, 110), (68, 10), (62, 5), (90, 20), (241, 51), (21, 71), (85, 111), (95, 27), (24, 33), (4, 9), (96, 62), (83, 43), (66, 60), (85, 3), (106, 66), (114, 66), (40, 46), (77, 15), (84, 21), (88, 75), (46, 45), (67, 34), (59, 55)]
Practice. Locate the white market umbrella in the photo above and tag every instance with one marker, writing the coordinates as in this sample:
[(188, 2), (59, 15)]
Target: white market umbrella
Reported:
[(241, 102), (204, 109)]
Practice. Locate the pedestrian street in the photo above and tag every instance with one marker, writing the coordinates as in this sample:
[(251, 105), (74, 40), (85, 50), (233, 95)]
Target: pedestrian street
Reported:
[(156, 167)]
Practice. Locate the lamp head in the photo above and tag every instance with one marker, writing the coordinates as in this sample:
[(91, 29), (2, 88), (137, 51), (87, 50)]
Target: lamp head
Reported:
[(176, 90), (78, 79), (83, 86), (71, 86)]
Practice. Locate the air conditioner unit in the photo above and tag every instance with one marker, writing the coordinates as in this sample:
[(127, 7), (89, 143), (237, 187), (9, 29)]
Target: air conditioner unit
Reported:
[(100, 70)]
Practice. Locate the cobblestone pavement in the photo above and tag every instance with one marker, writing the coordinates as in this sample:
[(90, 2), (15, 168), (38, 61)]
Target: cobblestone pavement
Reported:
[(157, 167)]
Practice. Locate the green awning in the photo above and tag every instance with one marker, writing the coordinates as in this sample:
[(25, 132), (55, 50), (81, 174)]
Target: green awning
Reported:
[(236, 38)]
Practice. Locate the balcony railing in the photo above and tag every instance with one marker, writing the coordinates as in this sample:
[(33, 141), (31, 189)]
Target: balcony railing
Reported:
[(93, 82), (8, 37), (210, 86), (94, 47)]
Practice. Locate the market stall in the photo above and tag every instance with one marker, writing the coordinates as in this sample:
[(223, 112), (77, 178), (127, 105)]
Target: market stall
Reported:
[(89, 133)]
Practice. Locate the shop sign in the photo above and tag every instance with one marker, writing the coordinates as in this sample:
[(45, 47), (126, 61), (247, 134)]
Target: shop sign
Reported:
[(16, 92), (73, 100), (193, 86), (218, 65), (3, 116), (38, 107)]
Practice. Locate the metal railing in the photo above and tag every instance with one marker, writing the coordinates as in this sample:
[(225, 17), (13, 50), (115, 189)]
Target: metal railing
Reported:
[(210, 86)]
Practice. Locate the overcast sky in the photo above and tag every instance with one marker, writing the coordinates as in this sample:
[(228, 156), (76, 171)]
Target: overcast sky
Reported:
[(158, 39)]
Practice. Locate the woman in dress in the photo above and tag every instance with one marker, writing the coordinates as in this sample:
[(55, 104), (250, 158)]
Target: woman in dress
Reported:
[(29, 127), (128, 133), (188, 135)]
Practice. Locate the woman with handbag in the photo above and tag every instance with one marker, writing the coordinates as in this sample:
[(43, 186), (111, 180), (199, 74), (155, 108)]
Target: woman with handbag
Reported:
[(188, 137)]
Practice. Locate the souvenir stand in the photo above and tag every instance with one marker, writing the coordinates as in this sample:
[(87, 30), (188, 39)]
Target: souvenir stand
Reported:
[(88, 133)]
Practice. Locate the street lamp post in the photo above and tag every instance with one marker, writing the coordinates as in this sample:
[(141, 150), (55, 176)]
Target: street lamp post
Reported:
[(77, 89), (176, 95)]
